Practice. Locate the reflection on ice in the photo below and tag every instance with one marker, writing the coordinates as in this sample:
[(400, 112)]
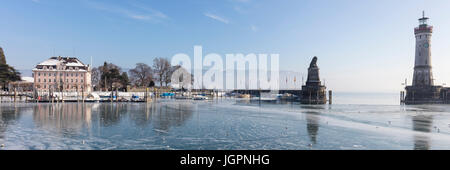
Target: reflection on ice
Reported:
[(312, 125), (422, 123), (76, 116)]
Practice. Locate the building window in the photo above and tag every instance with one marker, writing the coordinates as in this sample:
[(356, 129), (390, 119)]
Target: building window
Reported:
[(39, 80), (39, 74), (82, 80), (49, 80), (76, 75), (45, 74), (71, 80), (45, 80)]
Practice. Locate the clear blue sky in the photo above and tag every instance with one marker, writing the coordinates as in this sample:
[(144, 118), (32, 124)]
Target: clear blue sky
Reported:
[(363, 46)]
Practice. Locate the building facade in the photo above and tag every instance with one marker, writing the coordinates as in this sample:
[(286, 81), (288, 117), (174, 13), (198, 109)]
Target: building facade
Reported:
[(62, 74)]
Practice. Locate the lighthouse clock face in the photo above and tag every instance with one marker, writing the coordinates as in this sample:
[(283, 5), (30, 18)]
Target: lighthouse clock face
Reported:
[(426, 45)]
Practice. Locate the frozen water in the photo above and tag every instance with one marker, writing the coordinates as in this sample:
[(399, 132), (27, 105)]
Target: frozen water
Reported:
[(225, 124)]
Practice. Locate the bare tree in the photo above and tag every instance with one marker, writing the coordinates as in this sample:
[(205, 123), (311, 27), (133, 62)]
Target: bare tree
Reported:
[(141, 75), (161, 67)]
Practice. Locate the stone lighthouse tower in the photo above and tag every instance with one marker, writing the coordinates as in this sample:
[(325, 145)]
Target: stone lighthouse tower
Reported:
[(423, 90), (423, 75)]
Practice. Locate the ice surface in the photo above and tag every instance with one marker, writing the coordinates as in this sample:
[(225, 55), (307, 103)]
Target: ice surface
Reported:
[(223, 124)]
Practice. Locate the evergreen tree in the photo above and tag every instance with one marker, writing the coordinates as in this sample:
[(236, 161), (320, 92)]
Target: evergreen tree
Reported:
[(7, 73), (2, 56), (112, 76)]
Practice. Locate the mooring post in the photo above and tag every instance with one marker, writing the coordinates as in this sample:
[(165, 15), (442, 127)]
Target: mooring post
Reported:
[(117, 95), (146, 95), (52, 95), (309, 102), (111, 95), (15, 94), (330, 96), (82, 94), (62, 95), (401, 97)]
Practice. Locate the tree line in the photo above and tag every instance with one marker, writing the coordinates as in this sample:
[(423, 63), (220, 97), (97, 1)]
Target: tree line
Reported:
[(110, 76)]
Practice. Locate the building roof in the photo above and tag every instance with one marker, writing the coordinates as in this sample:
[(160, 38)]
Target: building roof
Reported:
[(67, 61), (49, 62)]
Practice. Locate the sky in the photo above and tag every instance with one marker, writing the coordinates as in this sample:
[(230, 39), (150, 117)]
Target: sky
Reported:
[(362, 46)]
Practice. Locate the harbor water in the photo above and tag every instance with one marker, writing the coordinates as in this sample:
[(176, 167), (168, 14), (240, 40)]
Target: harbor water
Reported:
[(354, 121)]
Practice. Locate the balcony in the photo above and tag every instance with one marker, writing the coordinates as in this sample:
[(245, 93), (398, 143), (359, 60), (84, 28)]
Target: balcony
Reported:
[(424, 29)]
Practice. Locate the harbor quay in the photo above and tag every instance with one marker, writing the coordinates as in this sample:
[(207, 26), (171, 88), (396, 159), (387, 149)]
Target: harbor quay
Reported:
[(67, 79), (113, 96)]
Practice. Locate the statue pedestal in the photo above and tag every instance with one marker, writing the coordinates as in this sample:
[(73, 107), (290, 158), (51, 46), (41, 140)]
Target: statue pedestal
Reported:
[(314, 95)]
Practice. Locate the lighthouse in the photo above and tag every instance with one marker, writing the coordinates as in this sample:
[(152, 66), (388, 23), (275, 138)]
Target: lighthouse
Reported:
[(423, 90), (423, 75)]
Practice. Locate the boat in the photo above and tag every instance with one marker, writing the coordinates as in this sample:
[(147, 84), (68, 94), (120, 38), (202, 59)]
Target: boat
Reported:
[(199, 97), (245, 96), (288, 97), (93, 97)]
